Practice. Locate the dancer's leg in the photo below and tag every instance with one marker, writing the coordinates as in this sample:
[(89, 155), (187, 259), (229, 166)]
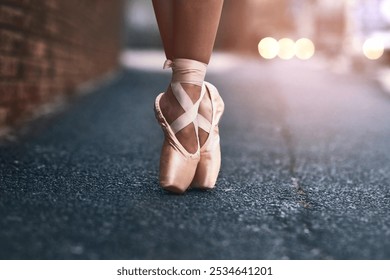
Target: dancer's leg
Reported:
[(194, 28), (188, 27), (171, 109), (163, 10)]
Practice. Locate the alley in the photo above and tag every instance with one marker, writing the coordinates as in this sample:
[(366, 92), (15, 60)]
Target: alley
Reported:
[(305, 172)]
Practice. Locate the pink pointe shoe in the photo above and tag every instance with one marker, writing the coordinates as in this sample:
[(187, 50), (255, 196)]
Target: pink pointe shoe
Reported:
[(210, 153), (177, 165)]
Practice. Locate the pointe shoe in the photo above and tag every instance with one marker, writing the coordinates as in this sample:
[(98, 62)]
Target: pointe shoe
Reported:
[(210, 153), (177, 165)]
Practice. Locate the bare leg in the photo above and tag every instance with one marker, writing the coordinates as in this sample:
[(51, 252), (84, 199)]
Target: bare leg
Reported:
[(193, 25), (163, 10)]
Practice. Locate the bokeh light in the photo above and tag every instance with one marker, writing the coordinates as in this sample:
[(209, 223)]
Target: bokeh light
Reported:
[(373, 48), (385, 9), (268, 48), (304, 48), (286, 48)]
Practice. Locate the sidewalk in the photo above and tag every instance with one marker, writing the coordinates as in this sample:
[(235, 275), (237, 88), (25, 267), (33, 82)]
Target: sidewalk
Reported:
[(305, 173)]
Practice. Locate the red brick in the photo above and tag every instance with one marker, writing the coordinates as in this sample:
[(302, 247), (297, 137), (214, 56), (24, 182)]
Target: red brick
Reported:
[(10, 42), (19, 3), (49, 47), (12, 16), (4, 111), (8, 92), (36, 48), (51, 4), (9, 67), (35, 69)]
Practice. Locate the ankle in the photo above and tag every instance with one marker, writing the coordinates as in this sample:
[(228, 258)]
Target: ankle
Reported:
[(193, 91)]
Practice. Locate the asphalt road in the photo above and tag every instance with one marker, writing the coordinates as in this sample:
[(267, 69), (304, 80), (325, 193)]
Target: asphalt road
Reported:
[(305, 173)]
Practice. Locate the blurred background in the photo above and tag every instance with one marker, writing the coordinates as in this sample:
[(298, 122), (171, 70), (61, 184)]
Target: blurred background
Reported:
[(353, 32), (51, 49)]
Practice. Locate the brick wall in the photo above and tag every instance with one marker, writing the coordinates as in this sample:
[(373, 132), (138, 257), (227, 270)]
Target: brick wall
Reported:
[(49, 47)]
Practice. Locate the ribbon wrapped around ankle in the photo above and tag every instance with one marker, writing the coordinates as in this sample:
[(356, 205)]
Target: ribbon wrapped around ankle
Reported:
[(187, 70)]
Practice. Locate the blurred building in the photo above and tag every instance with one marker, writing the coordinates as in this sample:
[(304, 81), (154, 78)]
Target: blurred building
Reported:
[(49, 48), (245, 22), (338, 29), (368, 29)]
